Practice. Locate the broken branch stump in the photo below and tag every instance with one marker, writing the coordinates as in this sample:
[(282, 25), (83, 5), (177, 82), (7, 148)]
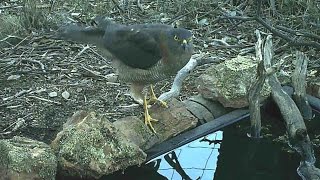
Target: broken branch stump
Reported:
[(299, 85)]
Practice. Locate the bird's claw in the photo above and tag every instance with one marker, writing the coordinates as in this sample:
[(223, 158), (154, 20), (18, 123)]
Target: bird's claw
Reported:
[(162, 103), (148, 119), (155, 100)]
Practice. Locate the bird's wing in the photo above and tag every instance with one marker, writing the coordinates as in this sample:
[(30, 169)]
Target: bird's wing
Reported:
[(135, 46)]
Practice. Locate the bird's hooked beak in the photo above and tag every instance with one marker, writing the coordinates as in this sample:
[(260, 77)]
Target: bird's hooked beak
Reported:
[(184, 44)]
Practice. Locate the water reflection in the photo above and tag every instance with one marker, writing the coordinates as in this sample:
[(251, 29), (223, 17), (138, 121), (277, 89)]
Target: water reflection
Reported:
[(197, 159), (237, 157), (264, 159)]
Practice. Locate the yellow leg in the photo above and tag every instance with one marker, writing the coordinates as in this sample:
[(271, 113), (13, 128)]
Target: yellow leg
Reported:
[(147, 118), (154, 98)]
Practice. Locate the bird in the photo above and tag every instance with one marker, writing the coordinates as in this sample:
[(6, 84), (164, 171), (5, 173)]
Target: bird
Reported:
[(143, 54)]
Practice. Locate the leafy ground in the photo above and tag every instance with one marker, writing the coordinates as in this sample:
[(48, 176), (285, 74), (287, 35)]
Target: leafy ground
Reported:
[(44, 81)]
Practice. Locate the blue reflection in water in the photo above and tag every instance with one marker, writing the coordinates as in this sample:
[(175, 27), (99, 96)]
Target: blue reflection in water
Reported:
[(237, 157), (198, 159)]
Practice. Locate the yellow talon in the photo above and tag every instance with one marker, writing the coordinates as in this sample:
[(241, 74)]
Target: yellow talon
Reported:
[(154, 98), (147, 118)]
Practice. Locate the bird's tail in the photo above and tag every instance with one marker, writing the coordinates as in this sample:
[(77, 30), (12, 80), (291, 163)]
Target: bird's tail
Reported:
[(81, 34), (85, 34)]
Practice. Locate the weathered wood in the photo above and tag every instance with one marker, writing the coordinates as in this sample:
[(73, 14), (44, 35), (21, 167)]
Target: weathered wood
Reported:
[(254, 92), (177, 83), (195, 60), (254, 105), (313, 101), (215, 108), (299, 84), (199, 111), (297, 131), (289, 110)]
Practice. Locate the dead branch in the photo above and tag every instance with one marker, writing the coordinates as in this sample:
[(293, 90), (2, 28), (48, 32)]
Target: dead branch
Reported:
[(297, 131), (254, 92), (81, 52), (299, 84), (177, 83), (17, 94), (195, 60), (35, 61), (46, 100), (298, 32), (140, 6)]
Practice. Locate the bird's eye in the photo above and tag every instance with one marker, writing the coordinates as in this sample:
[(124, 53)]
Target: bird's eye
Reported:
[(176, 38)]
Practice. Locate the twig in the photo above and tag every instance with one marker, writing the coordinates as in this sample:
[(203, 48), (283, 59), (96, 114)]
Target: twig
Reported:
[(12, 6), (242, 18), (219, 41), (14, 47), (178, 17), (232, 46), (17, 123), (8, 37), (275, 31), (81, 52), (298, 33), (98, 54), (95, 73), (112, 83), (14, 106), (35, 61), (117, 5), (46, 100), (17, 94), (140, 6), (181, 76), (177, 83), (129, 106), (273, 7)]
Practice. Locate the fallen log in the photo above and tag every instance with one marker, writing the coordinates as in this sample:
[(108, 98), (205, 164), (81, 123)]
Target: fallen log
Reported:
[(313, 101)]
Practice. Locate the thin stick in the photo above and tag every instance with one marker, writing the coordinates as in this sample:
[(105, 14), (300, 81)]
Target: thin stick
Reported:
[(81, 52), (46, 100)]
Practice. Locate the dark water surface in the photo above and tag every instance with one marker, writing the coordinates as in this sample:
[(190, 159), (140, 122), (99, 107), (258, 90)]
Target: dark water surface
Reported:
[(228, 155)]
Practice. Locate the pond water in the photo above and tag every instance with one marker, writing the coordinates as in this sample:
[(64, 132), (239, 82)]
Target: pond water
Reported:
[(227, 155)]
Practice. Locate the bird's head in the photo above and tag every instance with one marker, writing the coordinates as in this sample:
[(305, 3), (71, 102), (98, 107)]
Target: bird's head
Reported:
[(180, 38)]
